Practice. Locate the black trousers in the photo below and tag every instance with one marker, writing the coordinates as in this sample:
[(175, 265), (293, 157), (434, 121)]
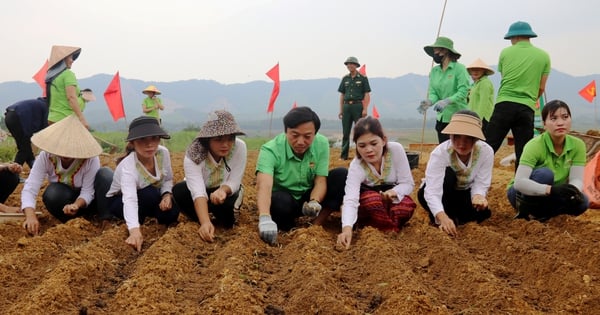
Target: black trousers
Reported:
[(223, 213), (285, 209), (510, 116), (8, 183), (24, 150)]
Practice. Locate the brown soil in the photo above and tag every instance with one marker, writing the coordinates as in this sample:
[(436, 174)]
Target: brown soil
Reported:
[(501, 266)]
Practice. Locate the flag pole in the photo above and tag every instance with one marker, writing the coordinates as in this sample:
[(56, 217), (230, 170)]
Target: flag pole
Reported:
[(270, 123), (427, 91)]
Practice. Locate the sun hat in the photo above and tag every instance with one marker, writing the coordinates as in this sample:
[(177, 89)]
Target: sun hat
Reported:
[(151, 88), (58, 53), (88, 95), (464, 124), (520, 28), (145, 126), (220, 123), (441, 42), (353, 60), (479, 64), (67, 138)]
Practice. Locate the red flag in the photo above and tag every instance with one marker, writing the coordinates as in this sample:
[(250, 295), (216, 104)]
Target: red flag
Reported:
[(295, 105), (589, 91), (40, 77), (363, 70), (375, 112), (113, 98), (274, 75)]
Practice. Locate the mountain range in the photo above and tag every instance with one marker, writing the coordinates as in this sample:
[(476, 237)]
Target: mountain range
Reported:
[(188, 102)]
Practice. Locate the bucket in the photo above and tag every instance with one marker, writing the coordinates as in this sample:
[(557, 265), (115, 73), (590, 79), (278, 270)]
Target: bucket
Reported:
[(413, 159)]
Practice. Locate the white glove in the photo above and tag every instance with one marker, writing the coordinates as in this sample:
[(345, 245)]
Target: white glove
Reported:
[(441, 104), (311, 208), (423, 106), (267, 229)]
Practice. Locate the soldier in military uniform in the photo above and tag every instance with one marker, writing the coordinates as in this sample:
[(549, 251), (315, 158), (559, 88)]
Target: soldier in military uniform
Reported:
[(354, 101)]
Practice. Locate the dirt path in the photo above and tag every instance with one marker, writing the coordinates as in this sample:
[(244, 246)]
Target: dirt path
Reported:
[(500, 266)]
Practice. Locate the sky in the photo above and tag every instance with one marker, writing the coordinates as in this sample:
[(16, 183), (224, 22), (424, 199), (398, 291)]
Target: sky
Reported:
[(238, 41)]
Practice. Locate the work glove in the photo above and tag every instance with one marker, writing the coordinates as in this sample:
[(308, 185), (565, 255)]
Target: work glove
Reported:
[(567, 192), (311, 208), (441, 104), (424, 106), (267, 229)]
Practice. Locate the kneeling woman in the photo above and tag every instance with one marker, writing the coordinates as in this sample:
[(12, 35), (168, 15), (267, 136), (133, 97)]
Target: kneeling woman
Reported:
[(458, 175), (378, 184), (549, 179), (69, 159), (142, 182), (214, 165)]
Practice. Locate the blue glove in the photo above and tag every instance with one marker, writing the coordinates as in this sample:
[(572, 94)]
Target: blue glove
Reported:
[(423, 106), (267, 229), (311, 208), (441, 104)]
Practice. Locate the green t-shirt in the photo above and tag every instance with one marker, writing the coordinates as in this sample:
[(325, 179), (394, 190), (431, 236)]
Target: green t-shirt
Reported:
[(481, 98), (539, 152), (522, 66), (289, 172), (354, 89), (452, 83), (151, 102), (59, 104)]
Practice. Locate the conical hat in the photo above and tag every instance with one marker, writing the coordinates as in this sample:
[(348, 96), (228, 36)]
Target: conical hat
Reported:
[(59, 53), (67, 138), (479, 64), (151, 88)]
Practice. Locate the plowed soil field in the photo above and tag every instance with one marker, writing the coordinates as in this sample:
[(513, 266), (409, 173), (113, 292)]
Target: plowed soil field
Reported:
[(502, 266)]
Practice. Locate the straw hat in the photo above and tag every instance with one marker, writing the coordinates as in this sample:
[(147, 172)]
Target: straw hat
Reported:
[(151, 88), (67, 138), (145, 126), (441, 42), (220, 123), (479, 64), (59, 53), (464, 124), (520, 28)]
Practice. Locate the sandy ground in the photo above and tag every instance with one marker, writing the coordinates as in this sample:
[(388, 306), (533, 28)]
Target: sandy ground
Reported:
[(501, 266)]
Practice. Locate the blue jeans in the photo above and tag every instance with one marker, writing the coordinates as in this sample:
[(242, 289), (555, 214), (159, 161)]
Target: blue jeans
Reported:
[(547, 206)]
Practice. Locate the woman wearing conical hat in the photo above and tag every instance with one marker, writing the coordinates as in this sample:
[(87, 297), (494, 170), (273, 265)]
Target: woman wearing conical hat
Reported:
[(69, 159), (481, 95), (61, 85), (152, 103)]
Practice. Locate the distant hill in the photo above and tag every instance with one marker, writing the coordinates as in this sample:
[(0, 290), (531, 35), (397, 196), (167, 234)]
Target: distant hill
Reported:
[(187, 102)]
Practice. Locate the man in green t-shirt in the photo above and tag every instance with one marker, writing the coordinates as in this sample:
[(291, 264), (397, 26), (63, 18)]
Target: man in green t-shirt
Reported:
[(354, 101), (293, 177), (524, 70)]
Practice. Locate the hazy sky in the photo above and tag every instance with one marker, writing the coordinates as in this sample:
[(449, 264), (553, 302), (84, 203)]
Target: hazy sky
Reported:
[(236, 41)]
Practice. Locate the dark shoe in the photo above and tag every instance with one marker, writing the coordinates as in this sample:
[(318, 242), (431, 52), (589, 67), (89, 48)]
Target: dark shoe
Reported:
[(483, 215), (523, 207)]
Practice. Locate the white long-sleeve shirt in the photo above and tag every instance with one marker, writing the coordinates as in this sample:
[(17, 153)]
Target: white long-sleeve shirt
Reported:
[(79, 175), (475, 175), (398, 174), (211, 174), (131, 175)]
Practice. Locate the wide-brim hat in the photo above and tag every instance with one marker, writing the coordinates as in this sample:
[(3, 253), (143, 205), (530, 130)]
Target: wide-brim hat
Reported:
[(220, 123), (58, 53), (353, 60), (145, 126), (520, 28), (464, 124), (441, 42), (151, 88), (480, 64), (67, 138)]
